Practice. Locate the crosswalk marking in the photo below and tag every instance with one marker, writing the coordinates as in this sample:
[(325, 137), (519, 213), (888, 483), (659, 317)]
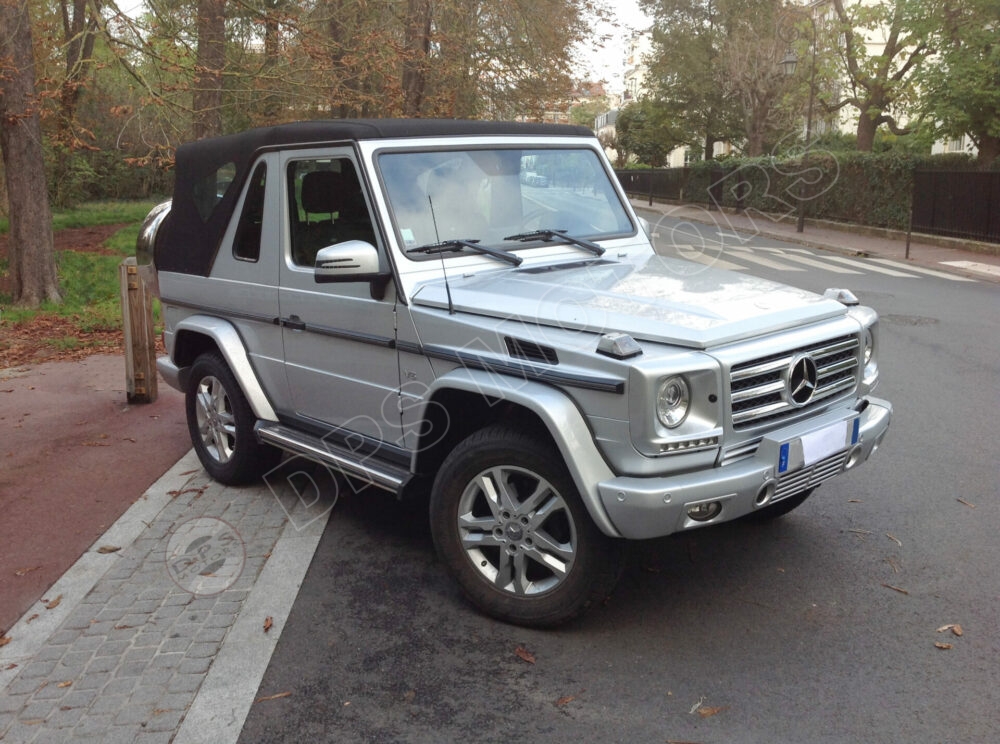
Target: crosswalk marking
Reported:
[(793, 259), (922, 270), (975, 266), (745, 254), (709, 259), (868, 266), (820, 264)]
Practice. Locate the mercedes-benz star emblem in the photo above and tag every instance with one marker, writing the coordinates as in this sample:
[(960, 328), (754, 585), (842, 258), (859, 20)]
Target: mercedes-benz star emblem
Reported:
[(802, 378)]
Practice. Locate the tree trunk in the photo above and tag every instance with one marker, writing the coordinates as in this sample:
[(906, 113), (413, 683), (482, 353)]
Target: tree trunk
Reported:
[(989, 150), (79, 35), (866, 132), (32, 265), (211, 59), (418, 47)]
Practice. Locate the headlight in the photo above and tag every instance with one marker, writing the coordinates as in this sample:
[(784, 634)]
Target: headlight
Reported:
[(869, 346), (672, 401)]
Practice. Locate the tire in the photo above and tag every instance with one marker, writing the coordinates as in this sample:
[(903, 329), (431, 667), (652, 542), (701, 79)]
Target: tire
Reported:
[(780, 509), (530, 555), (221, 424)]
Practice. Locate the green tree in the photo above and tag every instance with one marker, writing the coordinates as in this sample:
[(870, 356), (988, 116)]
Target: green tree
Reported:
[(880, 78), (645, 129), (687, 69), (961, 82)]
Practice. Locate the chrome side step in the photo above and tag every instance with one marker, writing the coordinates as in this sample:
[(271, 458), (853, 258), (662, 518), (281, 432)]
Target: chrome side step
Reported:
[(368, 468)]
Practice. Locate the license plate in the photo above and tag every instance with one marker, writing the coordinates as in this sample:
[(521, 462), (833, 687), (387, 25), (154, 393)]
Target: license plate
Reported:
[(818, 445)]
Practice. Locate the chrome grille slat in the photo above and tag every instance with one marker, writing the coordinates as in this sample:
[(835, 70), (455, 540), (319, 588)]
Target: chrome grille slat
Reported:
[(810, 477), (756, 387)]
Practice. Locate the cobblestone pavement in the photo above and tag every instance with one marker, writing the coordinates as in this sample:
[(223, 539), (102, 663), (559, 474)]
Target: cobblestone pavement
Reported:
[(137, 631)]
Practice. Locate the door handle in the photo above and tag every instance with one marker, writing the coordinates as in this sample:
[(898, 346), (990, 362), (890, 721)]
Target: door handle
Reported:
[(294, 323)]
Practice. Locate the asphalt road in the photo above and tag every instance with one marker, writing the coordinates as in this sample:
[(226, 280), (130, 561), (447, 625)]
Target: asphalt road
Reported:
[(819, 627)]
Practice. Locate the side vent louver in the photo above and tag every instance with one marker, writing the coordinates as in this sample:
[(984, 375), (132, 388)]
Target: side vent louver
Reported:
[(530, 351)]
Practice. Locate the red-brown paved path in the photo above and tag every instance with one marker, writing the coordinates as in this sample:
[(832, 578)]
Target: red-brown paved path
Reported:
[(74, 455)]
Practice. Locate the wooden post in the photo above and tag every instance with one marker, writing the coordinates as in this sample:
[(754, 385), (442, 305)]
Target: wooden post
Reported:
[(140, 341)]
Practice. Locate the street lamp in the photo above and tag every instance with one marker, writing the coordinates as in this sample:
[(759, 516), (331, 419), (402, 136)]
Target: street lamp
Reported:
[(788, 65)]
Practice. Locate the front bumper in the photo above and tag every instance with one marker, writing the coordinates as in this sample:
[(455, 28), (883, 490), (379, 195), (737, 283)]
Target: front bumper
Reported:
[(788, 461)]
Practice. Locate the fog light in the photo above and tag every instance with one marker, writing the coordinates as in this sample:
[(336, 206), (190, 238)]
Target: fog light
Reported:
[(704, 512)]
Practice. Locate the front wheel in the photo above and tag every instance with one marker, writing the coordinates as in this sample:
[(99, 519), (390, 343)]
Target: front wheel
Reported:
[(509, 523), (221, 423)]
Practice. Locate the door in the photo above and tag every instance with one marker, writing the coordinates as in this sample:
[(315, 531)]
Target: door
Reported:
[(339, 342)]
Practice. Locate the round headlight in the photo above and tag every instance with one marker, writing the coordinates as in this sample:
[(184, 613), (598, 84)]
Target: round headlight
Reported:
[(672, 401), (869, 346)]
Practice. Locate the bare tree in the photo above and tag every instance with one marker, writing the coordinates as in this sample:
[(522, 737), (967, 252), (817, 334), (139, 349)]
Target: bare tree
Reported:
[(31, 261)]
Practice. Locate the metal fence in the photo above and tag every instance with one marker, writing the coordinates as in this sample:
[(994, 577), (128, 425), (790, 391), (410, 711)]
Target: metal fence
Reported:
[(958, 204)]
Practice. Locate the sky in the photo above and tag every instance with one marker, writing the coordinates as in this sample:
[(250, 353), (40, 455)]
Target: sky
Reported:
[(608, 63)]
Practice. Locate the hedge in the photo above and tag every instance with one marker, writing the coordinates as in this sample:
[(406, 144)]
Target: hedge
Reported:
[(860, 188)]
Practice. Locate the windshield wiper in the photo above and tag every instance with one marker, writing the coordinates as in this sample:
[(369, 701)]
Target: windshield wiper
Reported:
[(457, 245), (549, 235)]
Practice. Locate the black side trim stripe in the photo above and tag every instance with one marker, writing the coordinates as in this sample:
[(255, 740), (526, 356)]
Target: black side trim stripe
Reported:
[(222, 312), (525, 371), (364, 338), (465, 358)]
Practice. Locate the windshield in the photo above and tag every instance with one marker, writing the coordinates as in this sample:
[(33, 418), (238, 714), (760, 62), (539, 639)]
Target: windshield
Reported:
[(492, 195)]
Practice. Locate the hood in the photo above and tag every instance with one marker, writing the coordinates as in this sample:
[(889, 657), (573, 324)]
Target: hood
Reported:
[(652, 298)]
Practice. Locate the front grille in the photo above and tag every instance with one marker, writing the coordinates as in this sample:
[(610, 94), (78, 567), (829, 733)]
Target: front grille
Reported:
[(757, 387), (810, 477)]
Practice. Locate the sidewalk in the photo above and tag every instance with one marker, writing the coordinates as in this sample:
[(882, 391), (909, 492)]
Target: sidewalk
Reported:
[(967, 258), (163, 629)]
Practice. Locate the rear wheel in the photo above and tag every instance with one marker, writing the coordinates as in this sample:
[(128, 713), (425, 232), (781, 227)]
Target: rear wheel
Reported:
[(221, 423), (508, 522)]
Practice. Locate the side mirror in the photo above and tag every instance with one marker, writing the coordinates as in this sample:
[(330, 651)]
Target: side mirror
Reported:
[(351, 261)]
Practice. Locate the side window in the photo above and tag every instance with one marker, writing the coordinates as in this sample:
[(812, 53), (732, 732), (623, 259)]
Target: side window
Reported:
[(327, 206), (246, 245), (209, 190)]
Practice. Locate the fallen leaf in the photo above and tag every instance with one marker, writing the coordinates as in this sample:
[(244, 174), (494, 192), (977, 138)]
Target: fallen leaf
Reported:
[(33, 617), (268, 623), (23, 571), (67, 683), (122, 627), (861, 532), (524, 654), (409, 696), (9, 667), (895, 565), (108, 549), (565, 699), (160, 711), (186, 472), (963, 501), (129, 439), (943, 646), (4, 640), (276, 697), (706, 712), (51, 604), (955, 628), (894, 539), (896, 589)]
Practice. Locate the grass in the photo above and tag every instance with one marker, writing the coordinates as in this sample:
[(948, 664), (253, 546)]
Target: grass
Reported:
[(88, 281), (93, 214)]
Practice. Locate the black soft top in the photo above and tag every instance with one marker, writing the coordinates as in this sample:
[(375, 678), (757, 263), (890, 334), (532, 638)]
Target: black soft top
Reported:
[(190, 236)]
